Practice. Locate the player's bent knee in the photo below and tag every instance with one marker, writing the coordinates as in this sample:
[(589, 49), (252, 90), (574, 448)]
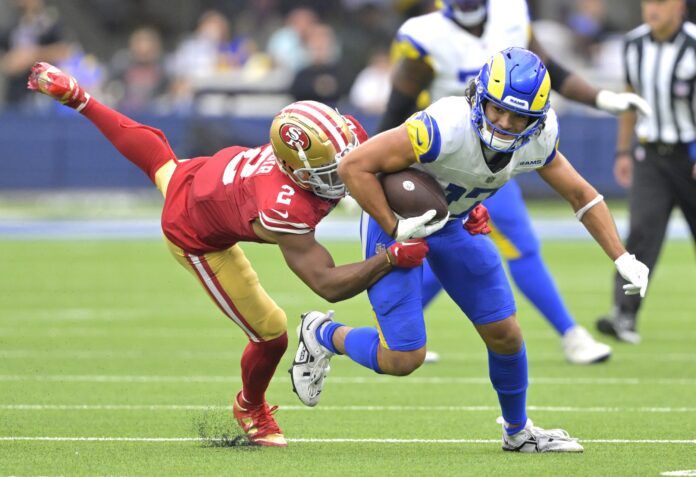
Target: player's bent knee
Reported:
[(504, 337), (400, 363), (273, 324)]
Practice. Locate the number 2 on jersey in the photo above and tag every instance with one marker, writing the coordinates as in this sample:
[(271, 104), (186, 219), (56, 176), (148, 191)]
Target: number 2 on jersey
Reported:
[(285, 195)]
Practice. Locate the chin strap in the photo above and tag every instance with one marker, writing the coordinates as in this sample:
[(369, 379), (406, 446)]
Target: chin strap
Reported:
[(303, 156), (583, 210)]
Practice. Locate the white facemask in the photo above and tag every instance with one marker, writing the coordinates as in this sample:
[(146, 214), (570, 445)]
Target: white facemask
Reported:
[(470, 19), (493, 140)]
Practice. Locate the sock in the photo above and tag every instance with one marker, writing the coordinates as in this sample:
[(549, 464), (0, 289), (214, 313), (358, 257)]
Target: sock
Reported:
[(508, 373), (361, 346), (259, 362), (325, 334), (534, 281), (144, 146)]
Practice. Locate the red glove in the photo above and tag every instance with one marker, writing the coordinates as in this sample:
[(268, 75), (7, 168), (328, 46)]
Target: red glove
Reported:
[(478, 221), (407, 254)]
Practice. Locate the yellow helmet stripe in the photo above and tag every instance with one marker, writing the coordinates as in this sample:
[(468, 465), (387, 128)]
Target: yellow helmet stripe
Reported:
[(496, 81), (542, 95)]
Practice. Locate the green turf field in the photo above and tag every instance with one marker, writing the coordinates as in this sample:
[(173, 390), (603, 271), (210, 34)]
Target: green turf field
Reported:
[(112, 343)]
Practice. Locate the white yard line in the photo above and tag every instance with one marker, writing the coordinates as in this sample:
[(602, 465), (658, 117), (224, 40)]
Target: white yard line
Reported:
[(335, 440), (292, 407), (111, 354), (117, 378)]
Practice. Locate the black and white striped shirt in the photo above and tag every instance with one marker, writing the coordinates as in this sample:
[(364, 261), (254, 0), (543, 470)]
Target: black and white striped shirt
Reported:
[(664, 74)]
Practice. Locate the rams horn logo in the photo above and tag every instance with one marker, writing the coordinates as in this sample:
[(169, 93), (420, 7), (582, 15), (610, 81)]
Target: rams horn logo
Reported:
[(293, 136)]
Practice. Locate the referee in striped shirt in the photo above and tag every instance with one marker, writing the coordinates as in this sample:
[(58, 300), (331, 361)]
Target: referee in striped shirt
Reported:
[(660, 65)]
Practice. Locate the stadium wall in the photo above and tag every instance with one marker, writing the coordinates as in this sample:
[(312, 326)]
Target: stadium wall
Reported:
[(63, 151)]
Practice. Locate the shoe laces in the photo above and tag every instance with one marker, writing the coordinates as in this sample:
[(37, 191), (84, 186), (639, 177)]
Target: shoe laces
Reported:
[(550, 433), (264, 421), (537, 432)]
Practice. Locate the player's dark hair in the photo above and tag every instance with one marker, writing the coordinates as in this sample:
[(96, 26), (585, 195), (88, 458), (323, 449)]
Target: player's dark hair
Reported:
[(470, 91)]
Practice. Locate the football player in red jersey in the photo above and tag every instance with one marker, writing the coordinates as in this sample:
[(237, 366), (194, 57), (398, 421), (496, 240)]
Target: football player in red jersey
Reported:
[(276, 193)]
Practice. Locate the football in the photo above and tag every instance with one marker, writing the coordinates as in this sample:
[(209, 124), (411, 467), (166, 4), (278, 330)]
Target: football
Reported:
[(412, 192)]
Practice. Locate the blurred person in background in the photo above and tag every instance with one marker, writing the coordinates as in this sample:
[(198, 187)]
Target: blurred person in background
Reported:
[(210, 50), (365, 26), (287, 45), (370, 91), (37, 34), (590, 25), (323, 78), (438, 54), (138, 72), (660, 64), (275, 194)]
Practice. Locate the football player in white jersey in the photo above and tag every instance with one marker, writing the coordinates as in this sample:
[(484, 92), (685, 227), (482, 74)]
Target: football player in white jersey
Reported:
[(437, 55), (472, 145)]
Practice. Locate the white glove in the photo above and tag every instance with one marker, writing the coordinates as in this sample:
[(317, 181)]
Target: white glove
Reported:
[(616, 103), (634, 272), (416, 227)]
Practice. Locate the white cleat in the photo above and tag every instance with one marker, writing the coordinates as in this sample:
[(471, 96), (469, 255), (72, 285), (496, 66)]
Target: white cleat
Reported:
[(533, 440), (580, 347), (311, 364)]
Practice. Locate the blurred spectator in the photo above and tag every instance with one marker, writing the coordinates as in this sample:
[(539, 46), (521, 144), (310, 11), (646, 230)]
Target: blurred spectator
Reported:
[(138, 73), (370, 26), (370, 90), (210, 50), (287, 46), (322, 80), (590, 24), (37, 35), (202, 52)]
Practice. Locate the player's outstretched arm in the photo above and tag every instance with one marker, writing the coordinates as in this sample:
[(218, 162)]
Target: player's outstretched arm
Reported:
[(573, 86), (389, 151), (594, 214), (565, 180), (315, 266)]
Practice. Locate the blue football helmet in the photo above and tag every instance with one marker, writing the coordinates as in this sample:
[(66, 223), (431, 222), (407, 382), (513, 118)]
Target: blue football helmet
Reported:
[(514, 79), (468, 13)]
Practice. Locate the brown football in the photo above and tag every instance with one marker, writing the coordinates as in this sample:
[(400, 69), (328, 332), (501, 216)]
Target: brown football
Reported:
[(412, 192)]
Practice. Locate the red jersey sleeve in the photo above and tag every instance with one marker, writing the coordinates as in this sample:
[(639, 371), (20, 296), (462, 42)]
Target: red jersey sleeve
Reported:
[(287, 208)]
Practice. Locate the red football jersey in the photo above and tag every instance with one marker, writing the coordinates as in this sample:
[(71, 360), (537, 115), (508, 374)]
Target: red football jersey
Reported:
[(212, 201)]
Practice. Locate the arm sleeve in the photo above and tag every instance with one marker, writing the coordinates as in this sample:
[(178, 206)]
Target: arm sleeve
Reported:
[(425, 137), (549, 138), (434, 131), (399, 106), (282, 220)]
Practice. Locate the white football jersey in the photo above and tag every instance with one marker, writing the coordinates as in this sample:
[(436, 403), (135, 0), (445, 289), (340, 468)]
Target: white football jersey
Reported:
[(449, 149), (455, 55)]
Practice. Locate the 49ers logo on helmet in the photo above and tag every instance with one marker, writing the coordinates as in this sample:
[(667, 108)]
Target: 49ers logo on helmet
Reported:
[(293, 136)]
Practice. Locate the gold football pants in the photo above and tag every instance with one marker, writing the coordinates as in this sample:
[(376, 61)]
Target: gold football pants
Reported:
[(230, 281)]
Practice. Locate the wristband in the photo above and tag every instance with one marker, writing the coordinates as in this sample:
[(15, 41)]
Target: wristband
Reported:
[(622, 152)]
